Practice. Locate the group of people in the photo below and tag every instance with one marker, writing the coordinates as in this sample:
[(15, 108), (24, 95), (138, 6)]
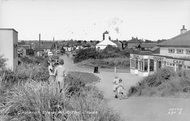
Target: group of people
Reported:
[(57, 72)]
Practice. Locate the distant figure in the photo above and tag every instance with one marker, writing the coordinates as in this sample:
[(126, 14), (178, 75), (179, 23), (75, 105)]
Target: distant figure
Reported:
[(51, 72), (117, 84), (60, 73), (121, 92)]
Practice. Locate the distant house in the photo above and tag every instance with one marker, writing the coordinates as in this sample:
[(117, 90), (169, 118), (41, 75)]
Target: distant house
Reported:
[(148, 46), (118, 43), (105, 42), (8, 47), (43, 47), (22, 50), (133, 43)]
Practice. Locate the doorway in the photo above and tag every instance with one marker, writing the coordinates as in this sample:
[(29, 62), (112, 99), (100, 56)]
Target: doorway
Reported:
[(158, 65)]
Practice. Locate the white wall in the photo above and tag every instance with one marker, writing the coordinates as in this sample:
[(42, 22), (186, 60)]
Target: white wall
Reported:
[(8, 38), (164, 51), (15, 42)]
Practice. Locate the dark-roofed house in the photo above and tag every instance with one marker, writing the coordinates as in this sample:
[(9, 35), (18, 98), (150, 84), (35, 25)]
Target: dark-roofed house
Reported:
[(148, 46), (22, 49), (133, 43), (174, 53)]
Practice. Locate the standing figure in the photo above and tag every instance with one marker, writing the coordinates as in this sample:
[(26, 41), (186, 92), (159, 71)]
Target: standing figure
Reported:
[(121, 92), (115, 85), (60, 73), (118, 88), (51, 72)]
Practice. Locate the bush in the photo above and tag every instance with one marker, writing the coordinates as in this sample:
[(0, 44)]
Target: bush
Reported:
[(164, 82), (33, 101), (41, 102), (84, 54), (76, 81), (8, 79), (30, 52), (34, 60), (92, 53)]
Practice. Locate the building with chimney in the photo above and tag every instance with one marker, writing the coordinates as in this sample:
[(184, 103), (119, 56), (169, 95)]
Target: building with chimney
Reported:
[(174, 53), (105, 42), (8, 47)]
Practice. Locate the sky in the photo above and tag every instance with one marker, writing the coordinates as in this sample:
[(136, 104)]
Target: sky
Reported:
[(88, 19)]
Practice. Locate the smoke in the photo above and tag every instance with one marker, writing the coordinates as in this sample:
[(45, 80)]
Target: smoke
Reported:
[(115, 24), (117, 30)]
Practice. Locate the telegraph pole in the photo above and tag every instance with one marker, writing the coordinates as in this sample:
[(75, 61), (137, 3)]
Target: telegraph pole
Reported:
[(39, 41)]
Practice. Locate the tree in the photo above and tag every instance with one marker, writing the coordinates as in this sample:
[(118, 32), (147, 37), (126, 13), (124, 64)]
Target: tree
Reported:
[(62, 50), (148, 41), (30, 52)]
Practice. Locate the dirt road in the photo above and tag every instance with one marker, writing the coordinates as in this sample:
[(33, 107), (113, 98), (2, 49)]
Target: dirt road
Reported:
[(139, 108)]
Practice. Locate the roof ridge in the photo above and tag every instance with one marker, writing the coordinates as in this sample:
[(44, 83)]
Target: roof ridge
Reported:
[(180, 35)]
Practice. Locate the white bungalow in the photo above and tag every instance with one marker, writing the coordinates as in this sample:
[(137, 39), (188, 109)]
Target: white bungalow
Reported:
[(174, 53), (105, 42)]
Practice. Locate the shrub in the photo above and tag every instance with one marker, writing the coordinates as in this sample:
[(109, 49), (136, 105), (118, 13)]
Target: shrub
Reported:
[(76, 82), (33, 101), (92, 53), (8, 79), (164, 82), (84, 54)]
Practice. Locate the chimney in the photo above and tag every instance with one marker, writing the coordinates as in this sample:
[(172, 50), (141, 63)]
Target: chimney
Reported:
[(183, 30), (39, 40), (106, 35)]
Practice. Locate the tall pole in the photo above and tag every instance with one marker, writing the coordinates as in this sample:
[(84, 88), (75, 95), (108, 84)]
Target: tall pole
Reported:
[(39, 40)]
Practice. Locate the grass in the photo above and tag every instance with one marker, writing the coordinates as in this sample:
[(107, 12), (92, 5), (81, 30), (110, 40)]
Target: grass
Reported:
[(36, 101), (164, 83), (121, 63), (26, 96)]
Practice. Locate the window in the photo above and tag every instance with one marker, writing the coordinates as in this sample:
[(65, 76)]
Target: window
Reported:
[(151, 65), (141, 65), (171, 50), (136, 64), (146, 65), (179, 51), (188, 51), (133, 63)]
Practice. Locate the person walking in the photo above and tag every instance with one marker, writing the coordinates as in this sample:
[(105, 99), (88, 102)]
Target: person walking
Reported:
[(60, 72), (51, 72)]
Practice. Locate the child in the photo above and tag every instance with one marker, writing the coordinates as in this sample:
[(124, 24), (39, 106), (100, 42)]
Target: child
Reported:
[(118, 88), (116, 83), (121, 90)]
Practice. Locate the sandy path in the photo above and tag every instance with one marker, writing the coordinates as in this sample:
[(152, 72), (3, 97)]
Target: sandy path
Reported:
[(139, 108)]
